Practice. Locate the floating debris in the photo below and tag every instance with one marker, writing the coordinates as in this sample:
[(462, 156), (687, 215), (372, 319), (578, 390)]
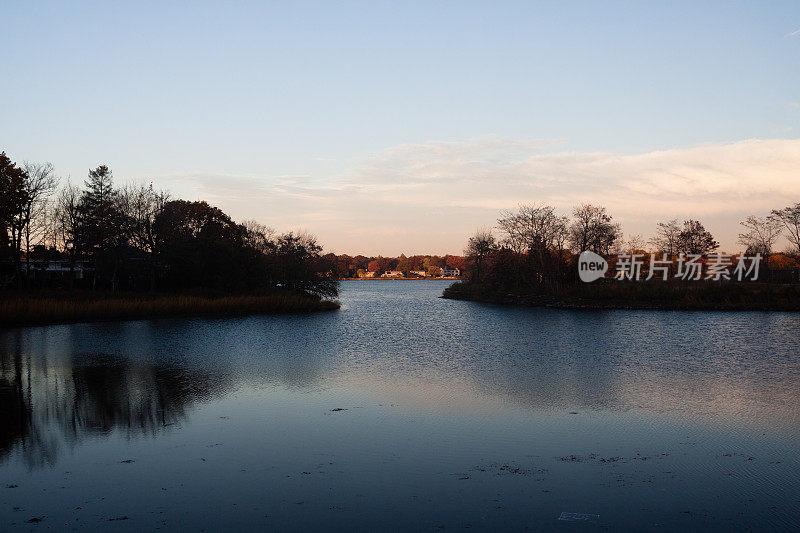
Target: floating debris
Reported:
[(579, 517)]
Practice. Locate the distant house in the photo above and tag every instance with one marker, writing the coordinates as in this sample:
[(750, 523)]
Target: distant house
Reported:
[(420, 273), (58, 268), (369, 274), (392, 274), (450, 272)]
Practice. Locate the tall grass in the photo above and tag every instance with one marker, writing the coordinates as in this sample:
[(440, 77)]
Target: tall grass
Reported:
[(642, 295), (23, 311)]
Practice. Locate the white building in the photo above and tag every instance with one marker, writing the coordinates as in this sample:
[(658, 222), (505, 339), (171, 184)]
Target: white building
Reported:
[(450, 272)]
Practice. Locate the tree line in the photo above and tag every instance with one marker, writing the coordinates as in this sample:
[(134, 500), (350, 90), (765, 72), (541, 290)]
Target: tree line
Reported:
[(347, 266), (535, 245), (137, 238)]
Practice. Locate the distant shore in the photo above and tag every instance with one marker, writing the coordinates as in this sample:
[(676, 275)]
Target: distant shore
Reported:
[(67, 308), (724, 296), (399, 279)]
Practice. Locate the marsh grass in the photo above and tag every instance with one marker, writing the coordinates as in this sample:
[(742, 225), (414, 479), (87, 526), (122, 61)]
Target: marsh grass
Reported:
[(88, 307), (644, 295)]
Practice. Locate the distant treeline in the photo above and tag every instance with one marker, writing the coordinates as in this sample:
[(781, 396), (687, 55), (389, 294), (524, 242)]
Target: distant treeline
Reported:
[(535, 247), (347, 266), (137, 239)]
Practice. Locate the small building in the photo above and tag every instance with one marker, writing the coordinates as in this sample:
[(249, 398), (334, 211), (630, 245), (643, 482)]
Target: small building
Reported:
[(369, 274), (58, 268), (419, 273), (392, 274), (450, 272)]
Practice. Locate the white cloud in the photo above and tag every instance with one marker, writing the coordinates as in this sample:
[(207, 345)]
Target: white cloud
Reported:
[(428, 197)]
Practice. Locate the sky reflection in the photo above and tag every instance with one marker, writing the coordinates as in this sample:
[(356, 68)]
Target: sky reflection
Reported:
[(452, 413)]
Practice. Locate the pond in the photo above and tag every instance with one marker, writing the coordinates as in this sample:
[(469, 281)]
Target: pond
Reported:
[(404, 410)]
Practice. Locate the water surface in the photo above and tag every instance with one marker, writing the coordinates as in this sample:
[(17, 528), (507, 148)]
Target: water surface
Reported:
[(408, 411)]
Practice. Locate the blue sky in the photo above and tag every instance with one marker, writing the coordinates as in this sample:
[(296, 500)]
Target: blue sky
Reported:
[(333, 116)]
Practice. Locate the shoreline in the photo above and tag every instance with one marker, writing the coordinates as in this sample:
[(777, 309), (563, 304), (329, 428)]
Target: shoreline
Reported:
[(740, 297), (30, 311), (399, 279)]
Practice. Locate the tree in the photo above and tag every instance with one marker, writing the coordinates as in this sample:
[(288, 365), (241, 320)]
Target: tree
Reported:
[(479, 246), (454, 261), (560, 235), (300, 268), (140, 206), (529, 228), (258, 236), (434, 271), (404, 264), (635, 244), (666, 238), (790, 218), (761, 234), (513, 231), (360, 262), (103, 228), (695, 239), (382, 264), (39, 184), (65, 225), (24, 192), (539, 233), (13, 195), (593, 229), (200, 246)]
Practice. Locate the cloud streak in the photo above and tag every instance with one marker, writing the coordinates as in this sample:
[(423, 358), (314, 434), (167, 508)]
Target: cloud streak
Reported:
[(428, 197)]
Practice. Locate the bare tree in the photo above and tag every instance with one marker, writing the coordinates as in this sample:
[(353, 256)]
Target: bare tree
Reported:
[(66, 223), (560, 235), (258, 236), (541, 234), (635, 244), (479, 246), (790, 218), (531, 228), (141, 204), (666, 238), (39, 184), (513, 232), (593, 229), (695, 239), (761, 234)]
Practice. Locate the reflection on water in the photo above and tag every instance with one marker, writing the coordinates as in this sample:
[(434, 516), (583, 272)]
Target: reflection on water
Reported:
[(425, 383), (51, 404)]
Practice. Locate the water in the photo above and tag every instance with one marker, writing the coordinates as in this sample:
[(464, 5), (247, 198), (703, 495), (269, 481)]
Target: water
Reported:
[(404, 410)]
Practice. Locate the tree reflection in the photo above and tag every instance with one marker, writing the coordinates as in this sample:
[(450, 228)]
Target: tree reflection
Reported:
[(45, 405)]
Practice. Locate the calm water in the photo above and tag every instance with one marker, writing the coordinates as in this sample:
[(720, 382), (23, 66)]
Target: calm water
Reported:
[(407, 411)]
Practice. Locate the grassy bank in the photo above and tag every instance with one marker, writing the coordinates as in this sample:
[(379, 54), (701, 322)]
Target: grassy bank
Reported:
[(25, 310), (724, 296)]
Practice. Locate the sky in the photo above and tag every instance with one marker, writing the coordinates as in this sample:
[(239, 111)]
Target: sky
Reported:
[(402, 127)]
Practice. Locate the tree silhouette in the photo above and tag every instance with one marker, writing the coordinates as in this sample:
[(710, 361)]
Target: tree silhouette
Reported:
[(695, 239)]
